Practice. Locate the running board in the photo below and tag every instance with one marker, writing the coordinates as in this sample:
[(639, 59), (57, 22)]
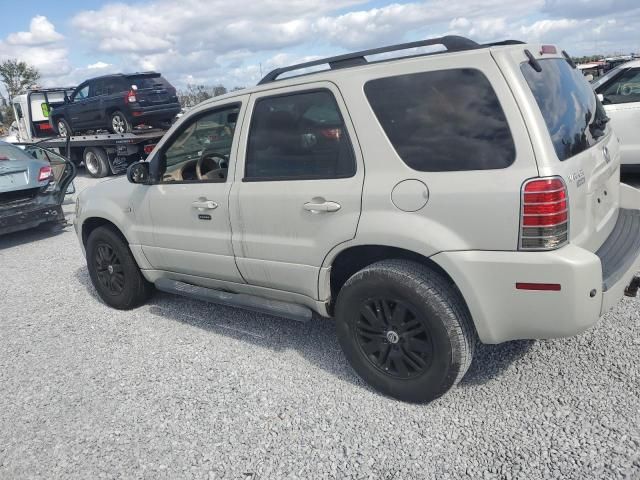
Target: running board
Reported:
[(240, 300)]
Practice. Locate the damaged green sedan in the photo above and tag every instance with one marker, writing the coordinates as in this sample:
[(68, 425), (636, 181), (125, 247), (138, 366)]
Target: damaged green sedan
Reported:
[(33, 184)]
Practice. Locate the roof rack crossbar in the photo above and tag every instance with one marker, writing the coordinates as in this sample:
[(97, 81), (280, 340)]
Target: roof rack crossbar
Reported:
[(452, 43)]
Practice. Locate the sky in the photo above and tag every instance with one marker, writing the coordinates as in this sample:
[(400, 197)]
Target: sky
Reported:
[(233, 42)]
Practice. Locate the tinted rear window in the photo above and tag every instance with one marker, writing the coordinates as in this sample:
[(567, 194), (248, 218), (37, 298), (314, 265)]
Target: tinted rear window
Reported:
[(447, 120), (146, 81), (568, 105)]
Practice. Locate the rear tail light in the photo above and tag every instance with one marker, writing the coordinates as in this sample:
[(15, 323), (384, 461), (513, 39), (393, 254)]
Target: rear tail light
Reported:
[(45, 174), (544, 222), (149, 148), (131, 95)]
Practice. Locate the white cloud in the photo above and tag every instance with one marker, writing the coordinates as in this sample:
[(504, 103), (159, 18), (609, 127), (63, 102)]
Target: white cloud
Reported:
[(42, 47), (211, 41), (41, 32)]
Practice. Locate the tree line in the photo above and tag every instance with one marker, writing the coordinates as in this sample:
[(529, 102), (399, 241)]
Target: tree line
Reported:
[(194, 94)]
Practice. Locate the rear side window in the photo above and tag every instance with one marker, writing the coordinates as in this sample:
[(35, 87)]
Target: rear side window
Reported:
[(568, 104), (297, 137), (448, 120)]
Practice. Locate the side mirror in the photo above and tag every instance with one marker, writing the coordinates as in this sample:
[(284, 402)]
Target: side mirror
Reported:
[(138, 172), (600, 97)]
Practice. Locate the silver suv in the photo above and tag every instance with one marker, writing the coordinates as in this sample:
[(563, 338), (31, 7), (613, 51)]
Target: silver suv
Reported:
[(423, 202)]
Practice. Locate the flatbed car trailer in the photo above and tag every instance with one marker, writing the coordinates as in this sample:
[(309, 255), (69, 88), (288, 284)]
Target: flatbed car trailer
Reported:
[(102, 153), (105, 153)]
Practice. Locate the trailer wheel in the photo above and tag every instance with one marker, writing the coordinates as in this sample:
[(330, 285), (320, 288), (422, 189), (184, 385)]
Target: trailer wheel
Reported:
[(96, 162)]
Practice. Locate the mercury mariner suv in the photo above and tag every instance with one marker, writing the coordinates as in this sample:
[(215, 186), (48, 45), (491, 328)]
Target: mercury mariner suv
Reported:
[(423, 202)]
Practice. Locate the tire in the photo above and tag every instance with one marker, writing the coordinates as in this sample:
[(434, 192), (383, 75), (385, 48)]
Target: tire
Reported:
[(118, 123), (122, 286), (405, 330), (63, 128), (96, 162)]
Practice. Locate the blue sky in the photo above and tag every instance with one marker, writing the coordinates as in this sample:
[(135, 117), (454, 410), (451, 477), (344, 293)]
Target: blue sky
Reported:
[(229, 42)]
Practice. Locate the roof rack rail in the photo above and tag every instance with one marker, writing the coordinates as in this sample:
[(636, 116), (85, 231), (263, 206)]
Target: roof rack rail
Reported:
[(503, 42), (48, 89), (453, 43)]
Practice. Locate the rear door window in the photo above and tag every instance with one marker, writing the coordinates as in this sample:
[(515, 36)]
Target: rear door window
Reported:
[(440, 121), (298, 136), (568, 104)]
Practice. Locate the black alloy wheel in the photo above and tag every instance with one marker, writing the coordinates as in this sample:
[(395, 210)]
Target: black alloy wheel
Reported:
[(392, 337), (109, 269)]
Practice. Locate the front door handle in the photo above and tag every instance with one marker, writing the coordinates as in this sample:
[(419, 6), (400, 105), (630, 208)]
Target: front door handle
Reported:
[(205, 205), (320, 205)]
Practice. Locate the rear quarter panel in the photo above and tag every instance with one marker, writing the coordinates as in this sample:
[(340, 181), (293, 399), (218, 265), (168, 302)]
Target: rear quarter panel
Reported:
[(466, 210)]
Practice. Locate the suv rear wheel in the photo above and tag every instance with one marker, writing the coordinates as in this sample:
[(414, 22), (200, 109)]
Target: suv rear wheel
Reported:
[(405, 330), (119, 123), (114, 272)]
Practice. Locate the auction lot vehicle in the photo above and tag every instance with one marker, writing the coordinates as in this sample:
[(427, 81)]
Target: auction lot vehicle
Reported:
[(102, 153), (33, 183), (619, 91), (424, 202), (118, 103)]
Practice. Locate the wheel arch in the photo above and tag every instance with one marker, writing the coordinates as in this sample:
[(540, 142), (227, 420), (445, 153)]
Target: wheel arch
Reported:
[(91, 223), (355, 258)]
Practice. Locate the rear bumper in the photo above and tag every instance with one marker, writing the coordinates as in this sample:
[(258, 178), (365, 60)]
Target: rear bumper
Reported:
[(155, 112), (26, 217), (590, 284)]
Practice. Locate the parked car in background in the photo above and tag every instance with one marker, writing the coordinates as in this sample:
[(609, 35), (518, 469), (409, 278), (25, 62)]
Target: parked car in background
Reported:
[(118, 103), (491, 207), (33, 183), (619, 91)]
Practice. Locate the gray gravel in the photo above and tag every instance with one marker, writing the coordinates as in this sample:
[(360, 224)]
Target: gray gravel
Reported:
[(183, 389)]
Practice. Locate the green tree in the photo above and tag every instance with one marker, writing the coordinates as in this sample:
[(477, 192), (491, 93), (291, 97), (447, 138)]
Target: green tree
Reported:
[(17, 76)]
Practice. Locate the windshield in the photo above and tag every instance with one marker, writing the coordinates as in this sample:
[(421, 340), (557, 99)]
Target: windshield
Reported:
[(573, 115), (148, 81), (605, 78), (10, 152)]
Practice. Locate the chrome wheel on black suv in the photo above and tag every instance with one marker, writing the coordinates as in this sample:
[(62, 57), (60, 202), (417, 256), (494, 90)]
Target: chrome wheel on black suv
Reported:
[(119, 123), (64, 130)]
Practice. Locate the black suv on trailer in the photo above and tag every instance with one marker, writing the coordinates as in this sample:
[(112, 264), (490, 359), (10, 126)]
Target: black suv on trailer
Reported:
[(117, 102)]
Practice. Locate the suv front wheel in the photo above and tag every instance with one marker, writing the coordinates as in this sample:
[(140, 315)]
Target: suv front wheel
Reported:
[(119, 123), (405, 330), (114, 272)]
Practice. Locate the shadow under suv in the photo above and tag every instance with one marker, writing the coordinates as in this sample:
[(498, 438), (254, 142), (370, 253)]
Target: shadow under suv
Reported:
[(118, 103)]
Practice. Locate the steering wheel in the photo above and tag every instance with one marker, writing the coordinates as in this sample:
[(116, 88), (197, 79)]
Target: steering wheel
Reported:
[(212, 166)]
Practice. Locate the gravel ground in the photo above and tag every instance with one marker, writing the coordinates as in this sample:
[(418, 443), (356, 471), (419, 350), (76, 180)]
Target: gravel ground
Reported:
[(184, 389)]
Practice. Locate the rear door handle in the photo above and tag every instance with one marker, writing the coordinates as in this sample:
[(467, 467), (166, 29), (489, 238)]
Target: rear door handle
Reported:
[(316, 206), (205, 205)]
